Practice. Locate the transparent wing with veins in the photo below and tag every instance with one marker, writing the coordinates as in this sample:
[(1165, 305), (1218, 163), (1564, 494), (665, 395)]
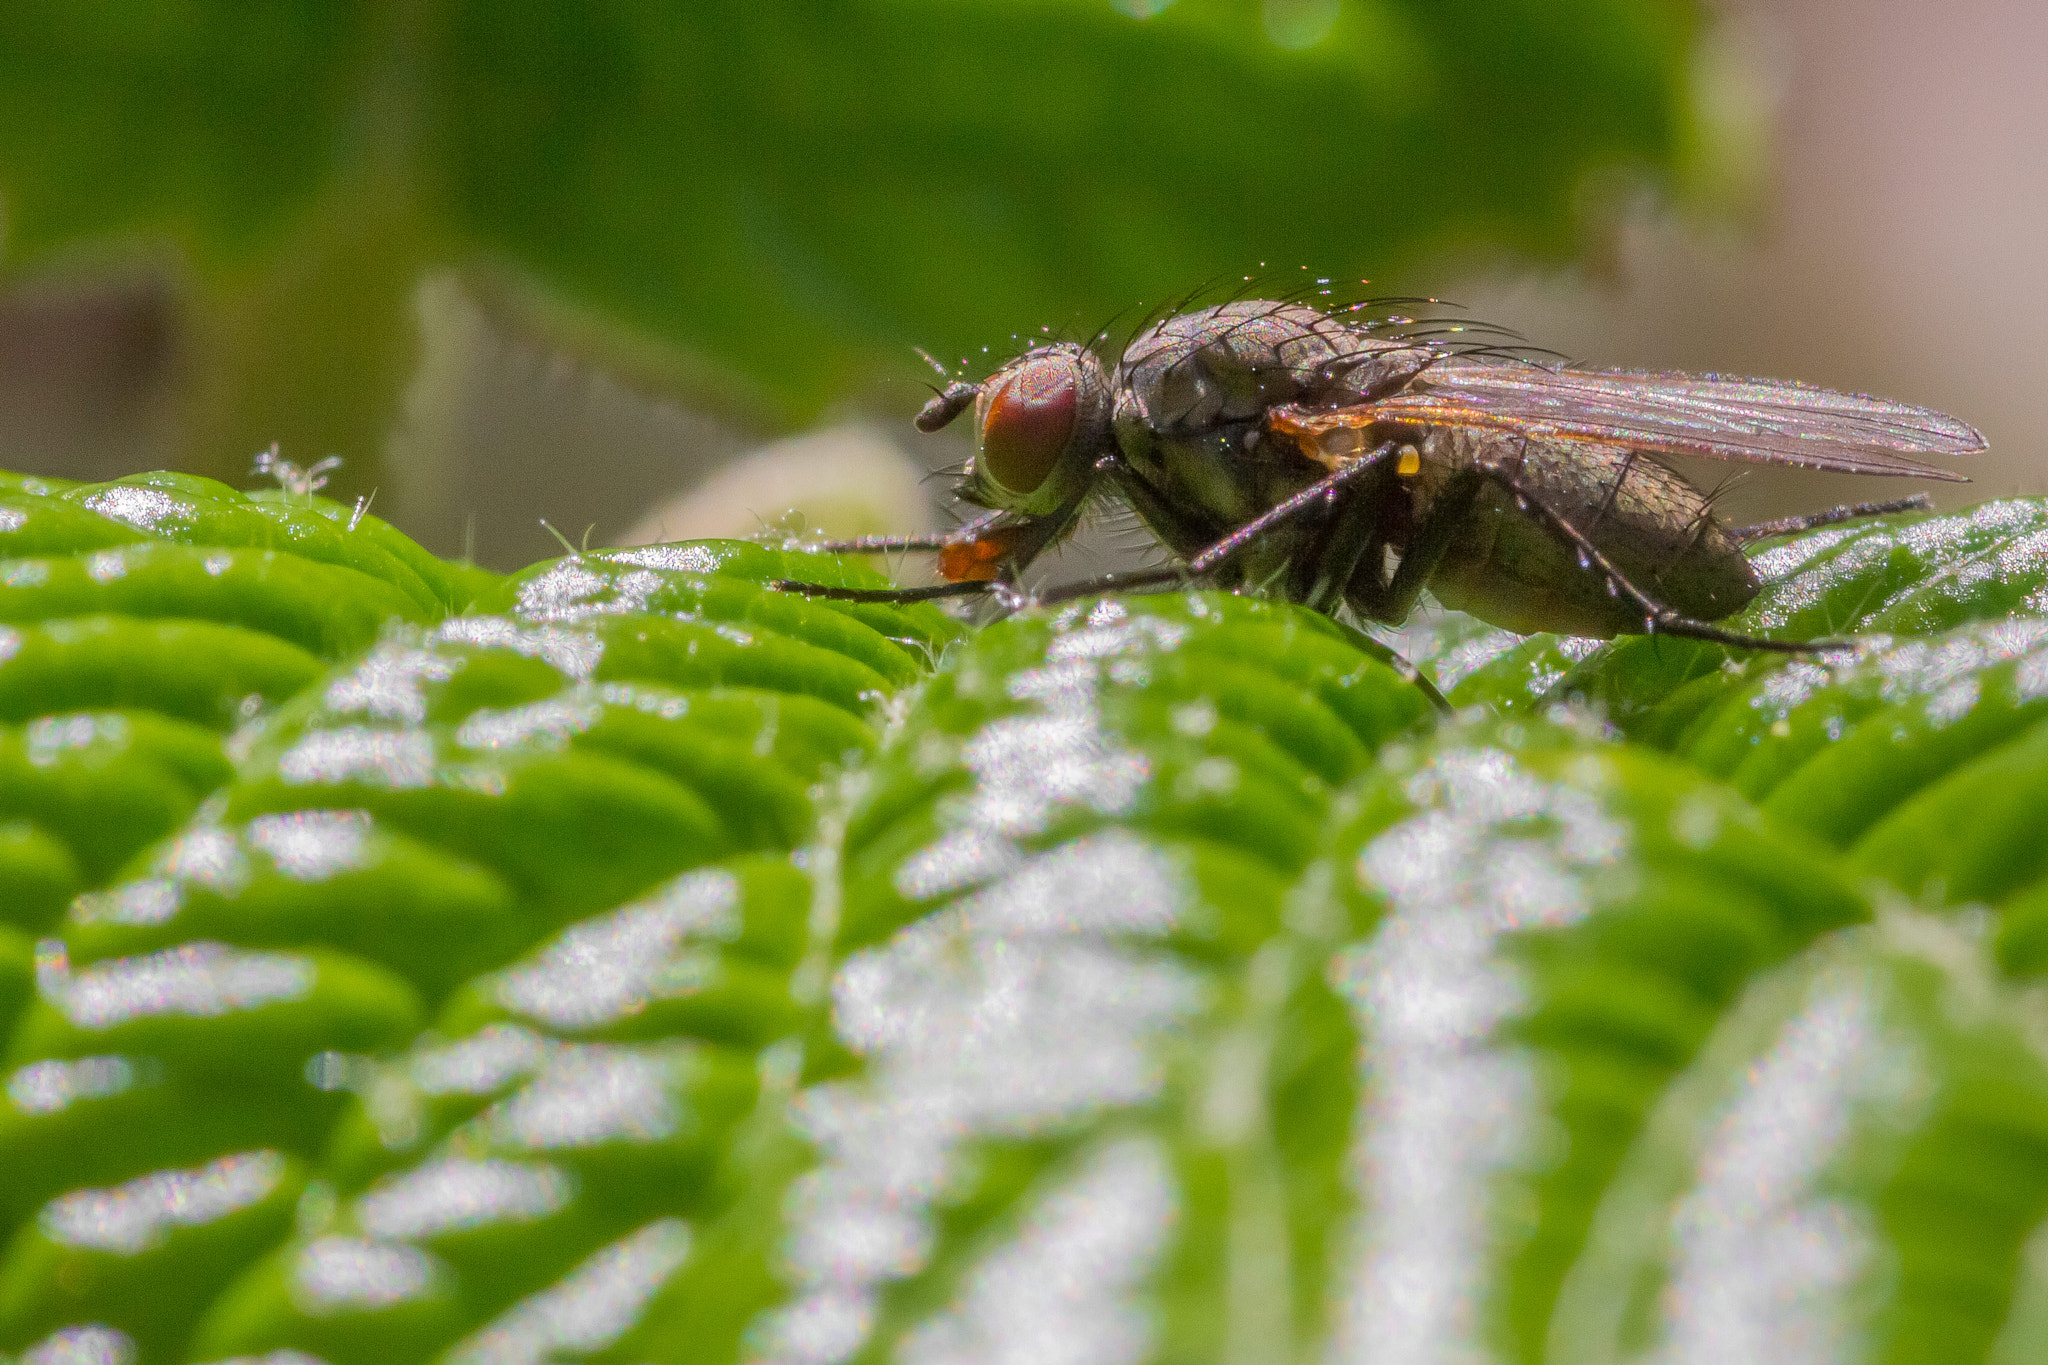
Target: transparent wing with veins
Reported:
[(1762, 420)]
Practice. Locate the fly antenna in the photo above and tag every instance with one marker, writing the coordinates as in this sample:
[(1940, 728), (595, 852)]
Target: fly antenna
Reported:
[(947, 404)]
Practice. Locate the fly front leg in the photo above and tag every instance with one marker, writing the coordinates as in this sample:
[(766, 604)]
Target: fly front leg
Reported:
[(982, 558), (1357, 534), (936, 540), (1103, 584), (880, 545), (1172, 522), (932, 593), (1658, 619), (1215, 556), (1358, 531), (1446, 514), (867, 545), (1319, 492)]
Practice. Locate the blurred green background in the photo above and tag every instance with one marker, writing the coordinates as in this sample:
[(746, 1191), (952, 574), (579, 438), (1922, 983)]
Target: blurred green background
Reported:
[(757, 209), (554, 257)]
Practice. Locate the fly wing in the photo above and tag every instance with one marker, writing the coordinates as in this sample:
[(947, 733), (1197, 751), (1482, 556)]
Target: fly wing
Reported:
[(1764, 420)]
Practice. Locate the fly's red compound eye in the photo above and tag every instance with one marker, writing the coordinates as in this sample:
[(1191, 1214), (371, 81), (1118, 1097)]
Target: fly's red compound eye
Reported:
[(1027, 421)]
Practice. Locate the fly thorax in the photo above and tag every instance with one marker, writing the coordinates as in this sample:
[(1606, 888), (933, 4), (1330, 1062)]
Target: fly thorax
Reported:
[(1211, 476), (1230, 364), (1374, 370), (1193, 393)]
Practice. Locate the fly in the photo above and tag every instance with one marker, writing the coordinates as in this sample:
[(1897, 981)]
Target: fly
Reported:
[(1274, 447)]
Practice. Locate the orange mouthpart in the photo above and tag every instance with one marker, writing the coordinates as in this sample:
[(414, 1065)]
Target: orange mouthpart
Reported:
[(975, 561)]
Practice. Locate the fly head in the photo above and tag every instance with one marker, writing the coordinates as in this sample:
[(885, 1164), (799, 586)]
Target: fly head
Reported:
[(1040, 424)]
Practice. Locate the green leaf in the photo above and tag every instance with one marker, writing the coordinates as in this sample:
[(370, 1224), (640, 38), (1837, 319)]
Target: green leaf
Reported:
[(813, 980), (69, 1270), (1846, 1100), (195, 511), (195, 671), (312, 605), (1583, 913), (281, 881), (1914, 575), (96, 787), (206, 1009)]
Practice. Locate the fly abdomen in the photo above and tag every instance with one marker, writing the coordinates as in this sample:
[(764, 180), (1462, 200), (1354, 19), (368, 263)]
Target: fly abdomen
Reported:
[(1510, 566)]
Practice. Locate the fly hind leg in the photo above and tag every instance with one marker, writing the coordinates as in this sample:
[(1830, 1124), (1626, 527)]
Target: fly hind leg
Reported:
[(1658, 619), (1786, 526)]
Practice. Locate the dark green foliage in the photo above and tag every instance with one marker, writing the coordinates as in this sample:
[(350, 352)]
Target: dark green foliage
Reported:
[(794, 195)]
